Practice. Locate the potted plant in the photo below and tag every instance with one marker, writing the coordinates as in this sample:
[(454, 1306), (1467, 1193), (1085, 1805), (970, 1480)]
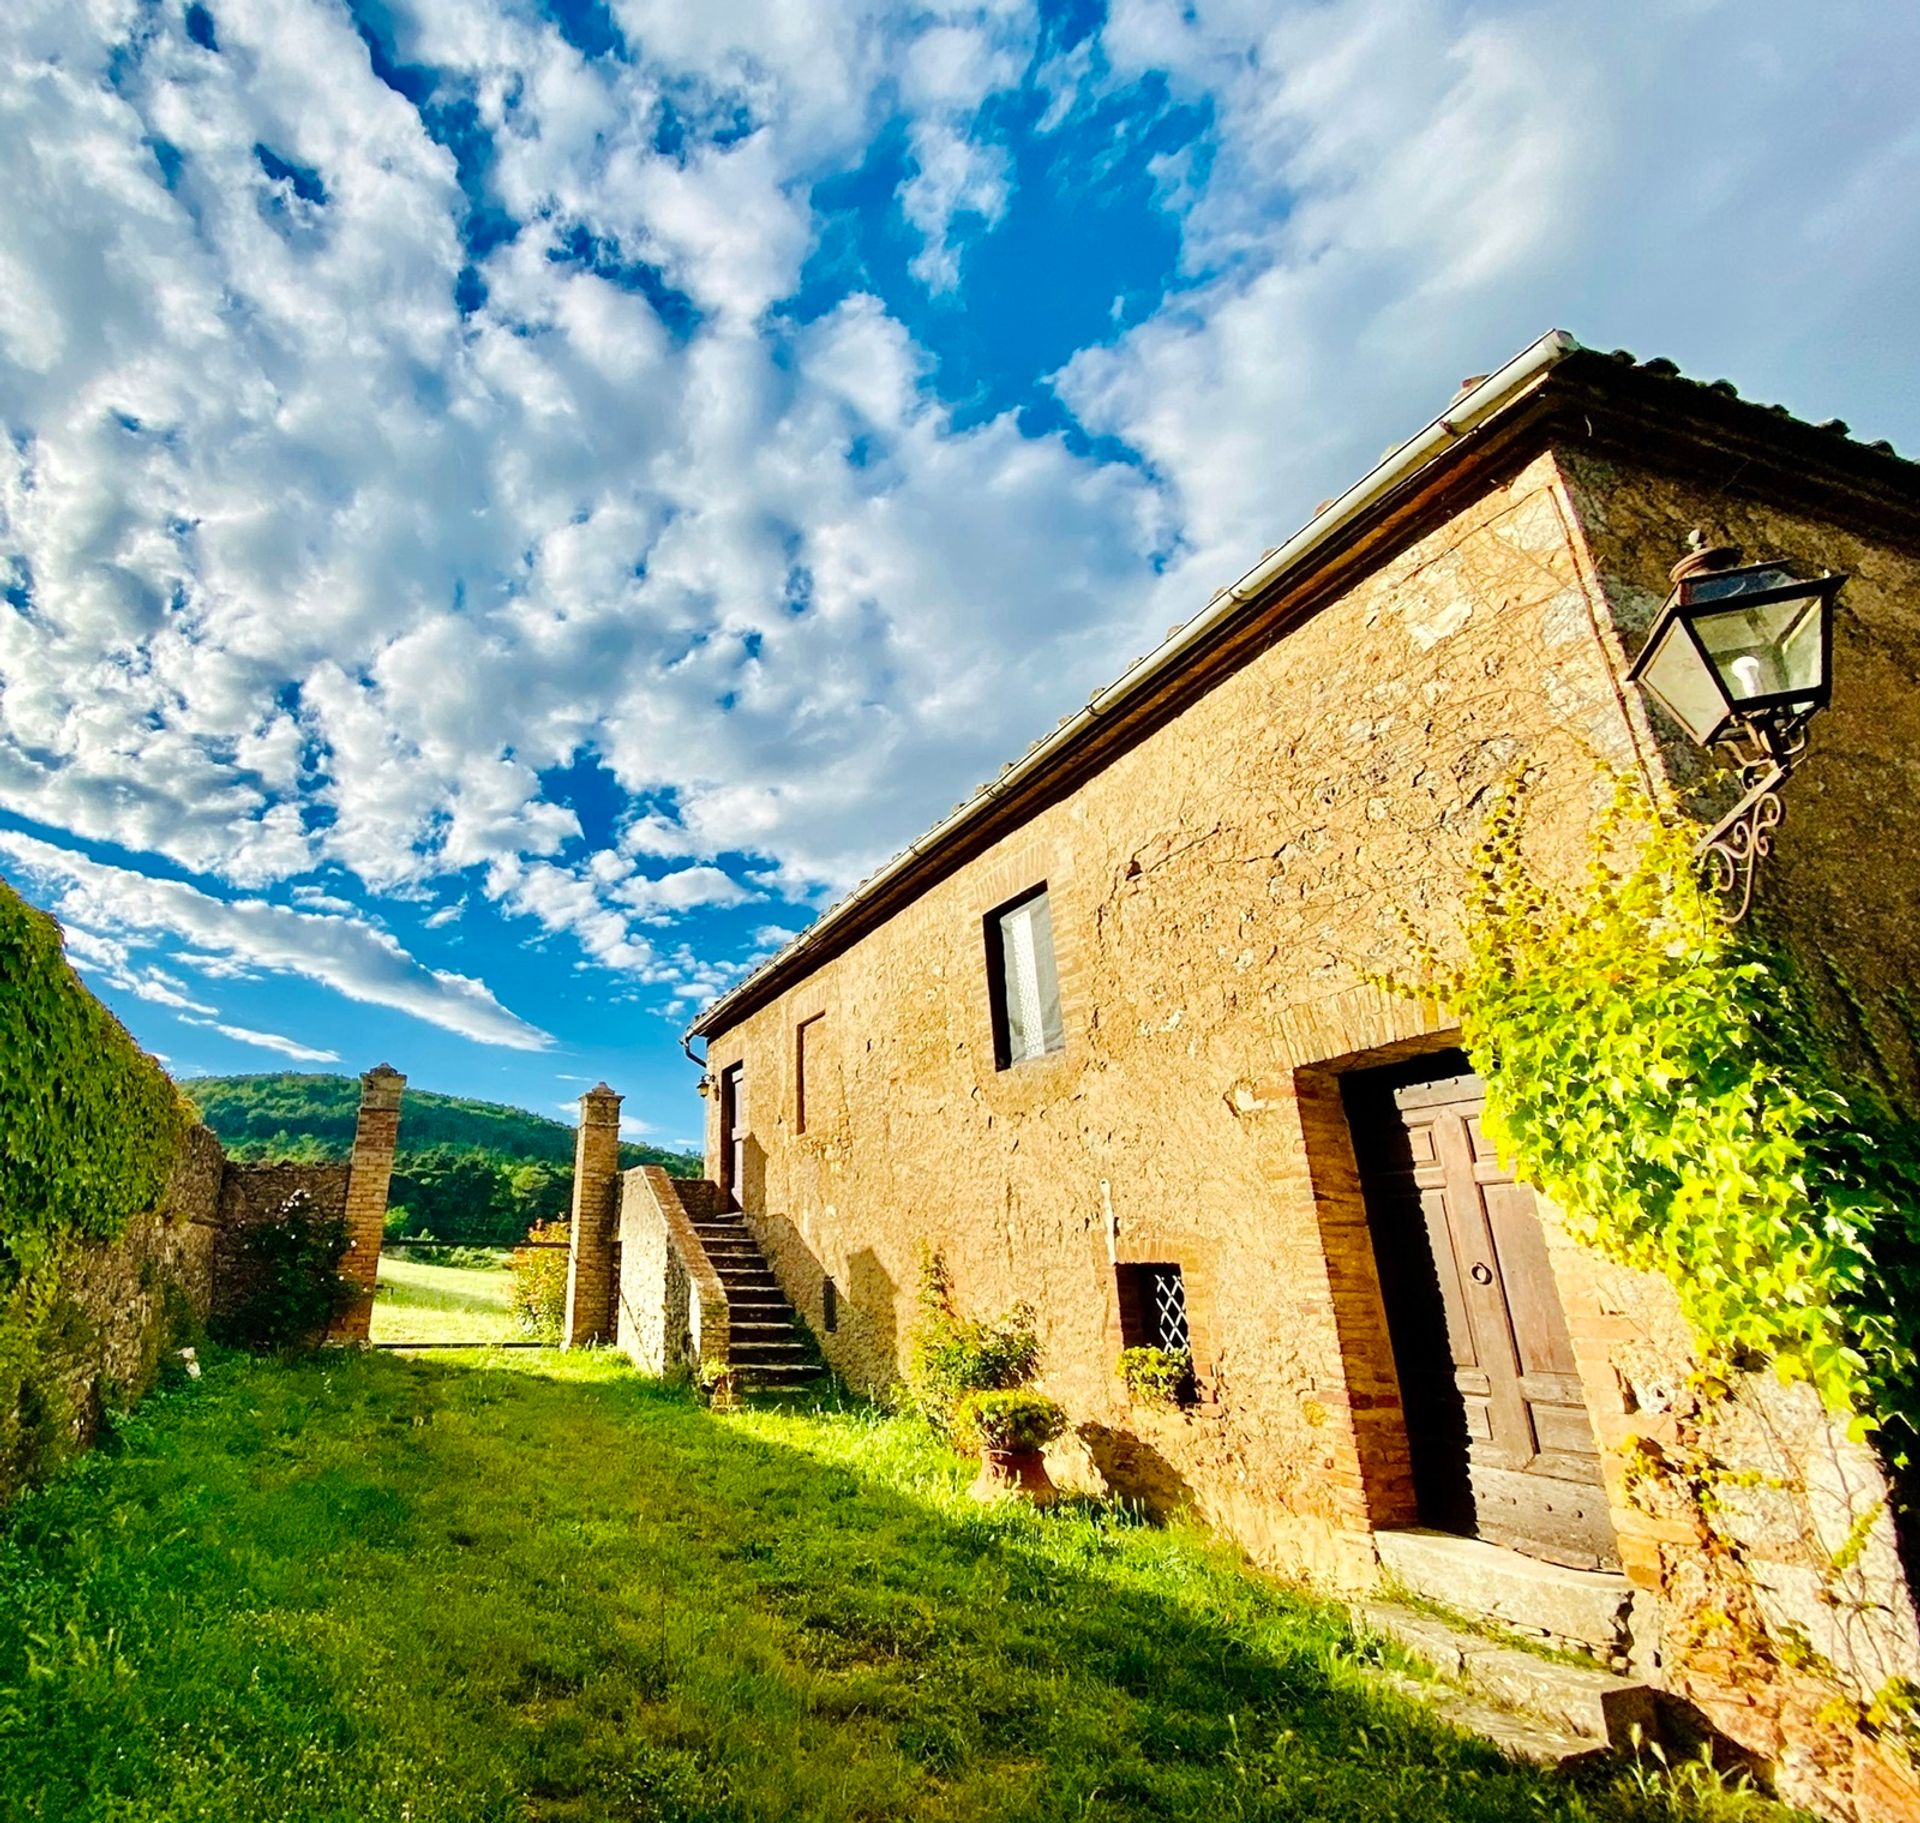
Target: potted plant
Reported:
[(1157, 1376), (1010, 1429)]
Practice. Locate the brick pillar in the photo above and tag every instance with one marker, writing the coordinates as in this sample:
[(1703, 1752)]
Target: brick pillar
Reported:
[(374, 1137), (596, 1206)]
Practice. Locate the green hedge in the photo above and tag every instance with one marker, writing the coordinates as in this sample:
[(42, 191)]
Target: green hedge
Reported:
[(89, 1123)]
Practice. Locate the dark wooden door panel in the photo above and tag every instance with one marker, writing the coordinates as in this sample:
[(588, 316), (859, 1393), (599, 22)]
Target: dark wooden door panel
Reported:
[(1525, 1468)]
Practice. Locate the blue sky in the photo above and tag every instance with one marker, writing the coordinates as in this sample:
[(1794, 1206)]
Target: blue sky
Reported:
[(506, 510)]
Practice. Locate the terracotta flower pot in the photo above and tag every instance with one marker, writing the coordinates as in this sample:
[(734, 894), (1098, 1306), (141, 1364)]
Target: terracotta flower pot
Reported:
[(1013, 1474)]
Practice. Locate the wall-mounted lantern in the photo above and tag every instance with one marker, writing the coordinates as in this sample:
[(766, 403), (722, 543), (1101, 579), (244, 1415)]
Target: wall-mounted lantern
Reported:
[(1741, 657)]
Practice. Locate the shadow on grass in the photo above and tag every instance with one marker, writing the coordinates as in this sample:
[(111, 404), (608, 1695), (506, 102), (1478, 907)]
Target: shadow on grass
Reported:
[(541, 1588)]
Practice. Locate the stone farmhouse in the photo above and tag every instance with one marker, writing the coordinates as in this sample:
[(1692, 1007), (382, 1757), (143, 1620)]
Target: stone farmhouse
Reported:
[(1108, 1038)]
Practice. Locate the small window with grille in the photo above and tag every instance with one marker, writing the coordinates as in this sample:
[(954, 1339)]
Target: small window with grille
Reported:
[(1153, 1307)]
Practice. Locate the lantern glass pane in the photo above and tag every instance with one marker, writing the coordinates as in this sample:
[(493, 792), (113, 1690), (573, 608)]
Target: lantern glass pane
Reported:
[(1676, 675), (1769, 649)]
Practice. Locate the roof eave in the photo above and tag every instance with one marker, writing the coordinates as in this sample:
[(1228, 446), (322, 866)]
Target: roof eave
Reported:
[(1470, 410)]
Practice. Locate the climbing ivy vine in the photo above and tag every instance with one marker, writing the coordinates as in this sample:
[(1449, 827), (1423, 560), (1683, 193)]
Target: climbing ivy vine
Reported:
[(89, 1123), (89, 1126), (1662, 1077)]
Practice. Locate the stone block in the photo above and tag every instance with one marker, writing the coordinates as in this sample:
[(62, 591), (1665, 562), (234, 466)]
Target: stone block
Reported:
[(1586, 1609), (1596, 1705)]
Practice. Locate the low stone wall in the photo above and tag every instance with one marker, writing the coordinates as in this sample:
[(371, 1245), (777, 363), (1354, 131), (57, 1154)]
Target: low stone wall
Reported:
[(122, 1305), (672, 1309)]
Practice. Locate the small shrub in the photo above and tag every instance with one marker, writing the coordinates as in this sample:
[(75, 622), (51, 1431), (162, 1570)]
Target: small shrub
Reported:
[(1157, 1376), (291, 1291), (950, 1355), (539, 1297), (1016, 1419), (715, 1384)]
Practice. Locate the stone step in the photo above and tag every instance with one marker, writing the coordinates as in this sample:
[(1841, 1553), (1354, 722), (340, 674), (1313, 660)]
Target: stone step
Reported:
[(773, 1379), (770, 1354), (1603, 1711), (1525, 1737), (1585, 1610)]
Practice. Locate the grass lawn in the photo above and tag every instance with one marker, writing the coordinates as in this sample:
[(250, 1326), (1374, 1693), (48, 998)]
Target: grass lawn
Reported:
[(415, 1302), (458, 1588)]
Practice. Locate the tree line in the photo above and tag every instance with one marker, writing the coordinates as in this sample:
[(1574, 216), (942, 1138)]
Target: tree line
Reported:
[(470, 1173)]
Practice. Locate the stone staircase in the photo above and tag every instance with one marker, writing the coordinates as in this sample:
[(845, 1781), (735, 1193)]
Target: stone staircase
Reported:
[(768, 1347)]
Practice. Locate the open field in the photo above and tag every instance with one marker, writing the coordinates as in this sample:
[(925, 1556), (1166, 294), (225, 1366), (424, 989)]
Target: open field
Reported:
[(416, 1302), (539, 1589)]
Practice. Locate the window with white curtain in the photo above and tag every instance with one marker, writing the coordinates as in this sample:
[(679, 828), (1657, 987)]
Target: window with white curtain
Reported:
[(1025, 983)]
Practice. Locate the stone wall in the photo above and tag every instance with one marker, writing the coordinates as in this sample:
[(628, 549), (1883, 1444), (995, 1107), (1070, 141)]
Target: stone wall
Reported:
[(1781, 1602), (672, 1310), (1842, 885), (1221, 895), (133, 1298), (128, 1302)]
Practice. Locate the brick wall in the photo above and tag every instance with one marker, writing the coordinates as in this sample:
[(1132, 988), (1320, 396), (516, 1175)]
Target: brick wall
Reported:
[(253, 1193)]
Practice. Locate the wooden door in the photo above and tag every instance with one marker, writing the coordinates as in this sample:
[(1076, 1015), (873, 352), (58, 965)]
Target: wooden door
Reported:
[(733, 1130), (1502, 1444)]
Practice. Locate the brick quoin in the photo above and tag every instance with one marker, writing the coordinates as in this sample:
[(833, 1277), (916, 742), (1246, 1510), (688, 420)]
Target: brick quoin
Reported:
[(596, 1213), (375, 1135)]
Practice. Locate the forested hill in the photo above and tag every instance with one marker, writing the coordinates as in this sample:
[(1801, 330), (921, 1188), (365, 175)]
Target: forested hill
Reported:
[(287, 1115), (468, 1171)]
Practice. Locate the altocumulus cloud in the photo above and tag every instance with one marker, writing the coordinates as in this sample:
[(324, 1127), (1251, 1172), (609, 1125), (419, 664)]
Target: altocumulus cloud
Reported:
[(406, 406)]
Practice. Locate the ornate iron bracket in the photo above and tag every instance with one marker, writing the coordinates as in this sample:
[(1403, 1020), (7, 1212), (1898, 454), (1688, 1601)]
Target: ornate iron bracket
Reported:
[(1731, 851), (1739, 842)]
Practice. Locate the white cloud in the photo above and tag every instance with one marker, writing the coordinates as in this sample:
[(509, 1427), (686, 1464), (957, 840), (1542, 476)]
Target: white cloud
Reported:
[(323, 576), (241, 937), (1401, 195), (682, 890), (271, 1041), (953, 176)]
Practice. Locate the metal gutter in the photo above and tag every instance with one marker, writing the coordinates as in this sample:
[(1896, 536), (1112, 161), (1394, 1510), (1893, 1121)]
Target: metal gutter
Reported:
[(1467, 413)]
